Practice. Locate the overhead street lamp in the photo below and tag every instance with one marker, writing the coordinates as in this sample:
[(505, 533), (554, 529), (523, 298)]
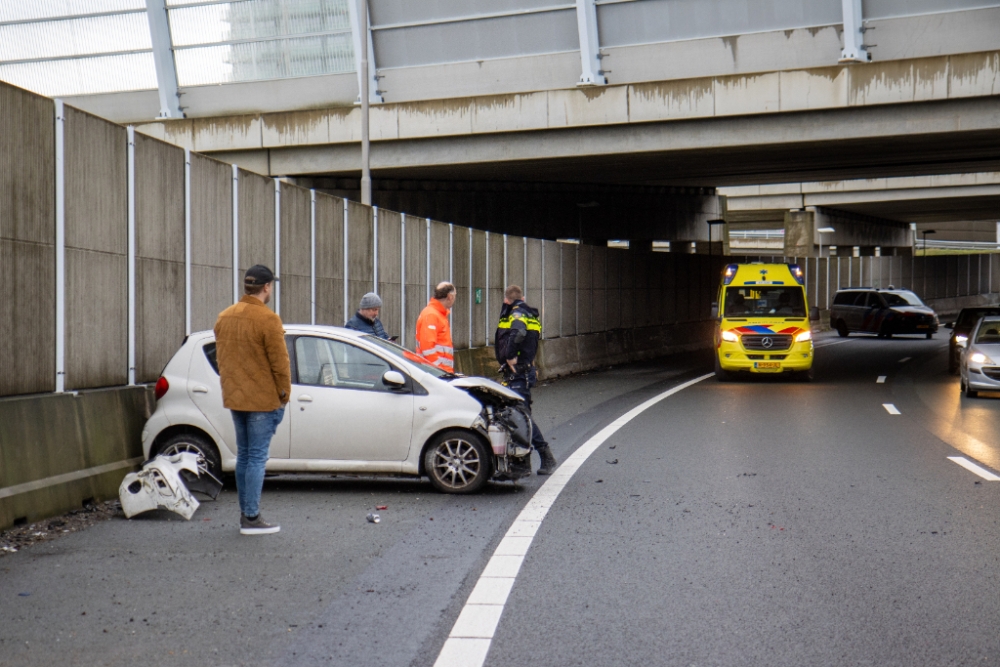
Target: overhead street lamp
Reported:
[(712, 223), (925, 233), (821, 231)]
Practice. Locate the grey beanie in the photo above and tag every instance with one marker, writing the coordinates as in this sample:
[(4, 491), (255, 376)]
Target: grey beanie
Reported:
[(370, 300)]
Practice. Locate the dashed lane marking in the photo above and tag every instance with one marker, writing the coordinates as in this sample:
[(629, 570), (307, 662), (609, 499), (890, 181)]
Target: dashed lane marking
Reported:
[(880, 380), (904, 360), (469, 641), (891, 409), (969, 465)]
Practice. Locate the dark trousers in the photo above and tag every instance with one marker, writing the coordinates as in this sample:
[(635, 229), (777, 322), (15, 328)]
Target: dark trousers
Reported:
[(520, 386)]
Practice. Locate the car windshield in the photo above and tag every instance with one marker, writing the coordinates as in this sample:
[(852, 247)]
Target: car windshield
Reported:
[(894, 300), (765, 300), (989, 332), (908, 298), (969, 316), (411, 357)]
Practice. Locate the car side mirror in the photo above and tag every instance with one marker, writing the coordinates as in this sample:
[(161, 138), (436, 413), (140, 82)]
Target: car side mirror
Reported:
[(814, 314), (394, 380), (715, 310)]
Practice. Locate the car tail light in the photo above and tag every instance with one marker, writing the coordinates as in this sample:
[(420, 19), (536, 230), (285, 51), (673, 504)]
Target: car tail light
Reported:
[(161, 387)]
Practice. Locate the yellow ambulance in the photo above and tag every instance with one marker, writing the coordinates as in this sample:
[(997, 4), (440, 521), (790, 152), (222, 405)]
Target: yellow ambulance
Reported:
[(764, 321)]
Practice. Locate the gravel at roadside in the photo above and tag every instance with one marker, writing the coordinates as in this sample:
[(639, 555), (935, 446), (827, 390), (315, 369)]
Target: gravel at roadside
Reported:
[(14, 539)]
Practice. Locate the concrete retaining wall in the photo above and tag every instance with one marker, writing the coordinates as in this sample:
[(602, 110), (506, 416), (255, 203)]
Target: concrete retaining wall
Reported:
[(58, 450)]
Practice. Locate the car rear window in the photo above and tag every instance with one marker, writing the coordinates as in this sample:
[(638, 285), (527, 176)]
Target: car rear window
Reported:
[(209, 350), (844, 298), (969, 316)]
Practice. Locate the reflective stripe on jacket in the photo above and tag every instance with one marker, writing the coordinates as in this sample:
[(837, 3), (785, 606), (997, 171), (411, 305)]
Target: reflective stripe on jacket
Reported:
[(434, 336)]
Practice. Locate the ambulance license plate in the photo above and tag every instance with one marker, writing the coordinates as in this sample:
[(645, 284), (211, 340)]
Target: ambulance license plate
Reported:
[(767, 365)]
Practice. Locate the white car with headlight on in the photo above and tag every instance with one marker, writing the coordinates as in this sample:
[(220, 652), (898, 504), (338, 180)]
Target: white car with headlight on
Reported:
[(979, 366), (359, 404)]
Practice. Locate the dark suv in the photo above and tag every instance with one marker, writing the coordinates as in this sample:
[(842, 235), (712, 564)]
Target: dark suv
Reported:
[(883, 312), (960, 329)]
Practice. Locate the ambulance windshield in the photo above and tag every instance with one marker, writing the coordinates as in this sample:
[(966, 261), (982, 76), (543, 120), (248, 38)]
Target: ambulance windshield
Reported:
[(764, 301)]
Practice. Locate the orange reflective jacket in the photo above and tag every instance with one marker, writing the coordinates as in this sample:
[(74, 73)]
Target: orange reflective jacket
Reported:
[(434, 336)]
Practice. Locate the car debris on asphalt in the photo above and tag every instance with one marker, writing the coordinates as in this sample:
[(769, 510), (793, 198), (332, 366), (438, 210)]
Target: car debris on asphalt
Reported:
[(166, 482), (374, 518)]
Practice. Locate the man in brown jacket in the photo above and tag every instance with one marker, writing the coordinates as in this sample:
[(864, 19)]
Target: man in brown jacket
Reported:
[(256, 385)]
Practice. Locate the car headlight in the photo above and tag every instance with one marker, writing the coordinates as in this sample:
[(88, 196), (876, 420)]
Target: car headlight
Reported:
[(803, 337), (960, 339), (980, 358), (730, 336)]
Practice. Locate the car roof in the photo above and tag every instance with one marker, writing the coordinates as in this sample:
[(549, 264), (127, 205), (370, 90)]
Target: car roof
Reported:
[(301, 329)]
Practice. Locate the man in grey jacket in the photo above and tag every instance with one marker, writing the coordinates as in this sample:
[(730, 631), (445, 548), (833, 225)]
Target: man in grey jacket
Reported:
[(366, 319)]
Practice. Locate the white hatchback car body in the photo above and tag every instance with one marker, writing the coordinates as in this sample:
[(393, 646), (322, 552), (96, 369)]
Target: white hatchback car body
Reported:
[(343, 415), (979, 363)]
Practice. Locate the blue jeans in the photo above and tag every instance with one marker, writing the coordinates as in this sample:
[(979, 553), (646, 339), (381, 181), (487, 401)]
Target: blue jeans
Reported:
[(254, 431)]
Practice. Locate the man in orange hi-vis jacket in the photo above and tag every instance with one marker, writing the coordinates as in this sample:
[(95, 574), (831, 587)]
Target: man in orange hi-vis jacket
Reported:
[(434, 333)]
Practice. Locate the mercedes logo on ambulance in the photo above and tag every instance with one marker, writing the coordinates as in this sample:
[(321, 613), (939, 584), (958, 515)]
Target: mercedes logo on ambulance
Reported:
[(766, 343)]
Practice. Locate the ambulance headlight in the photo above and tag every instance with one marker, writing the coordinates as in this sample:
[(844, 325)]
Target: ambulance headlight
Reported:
[(730, 336), (803, 337)]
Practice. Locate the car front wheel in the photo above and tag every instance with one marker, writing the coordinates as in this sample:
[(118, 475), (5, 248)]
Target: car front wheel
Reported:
[(208, 453), (842, 329), (458, 462)]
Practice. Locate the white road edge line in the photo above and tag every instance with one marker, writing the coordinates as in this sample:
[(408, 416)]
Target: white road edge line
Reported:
[(828, 343), (904, 360), (880, 380), (469, 641), (972, 467), (891, 409)]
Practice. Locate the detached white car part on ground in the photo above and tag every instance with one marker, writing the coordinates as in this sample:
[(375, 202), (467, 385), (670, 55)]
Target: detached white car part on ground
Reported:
[(358, 405), (162, 484)]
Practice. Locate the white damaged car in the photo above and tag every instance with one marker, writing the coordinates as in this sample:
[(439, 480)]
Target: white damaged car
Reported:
[(359, 404)]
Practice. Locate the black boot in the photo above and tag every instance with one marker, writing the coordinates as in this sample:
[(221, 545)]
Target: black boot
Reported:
[(548, 461)]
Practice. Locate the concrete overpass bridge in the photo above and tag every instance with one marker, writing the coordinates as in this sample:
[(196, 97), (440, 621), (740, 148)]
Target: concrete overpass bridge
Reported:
[(615, 110)]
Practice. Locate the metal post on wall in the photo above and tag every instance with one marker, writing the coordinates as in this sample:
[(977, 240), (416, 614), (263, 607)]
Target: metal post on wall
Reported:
[(375, 248), (60, 247), (472, 288), (486, 288), (312, 257), (236, 233), (187, 241), (429, 259), (347, 312), (505, 262), (524, 257), (277, 246), (130, 241), (543, 289), (451, 263), (562, 291), (402, 280)]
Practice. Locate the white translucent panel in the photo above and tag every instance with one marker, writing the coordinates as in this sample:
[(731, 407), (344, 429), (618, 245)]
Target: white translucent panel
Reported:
[(880, 9), (392, 12), (274, 59), (481, 39), (255, 19), (84, 76), (54, 39), (650, 21), (23, 10)]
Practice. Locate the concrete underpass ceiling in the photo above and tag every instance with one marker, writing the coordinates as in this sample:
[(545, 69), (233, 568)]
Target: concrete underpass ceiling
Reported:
[(807, 161), (948, 209)]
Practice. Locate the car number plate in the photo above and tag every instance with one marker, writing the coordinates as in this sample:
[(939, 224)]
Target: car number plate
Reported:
[(923, 326), (766, 365)]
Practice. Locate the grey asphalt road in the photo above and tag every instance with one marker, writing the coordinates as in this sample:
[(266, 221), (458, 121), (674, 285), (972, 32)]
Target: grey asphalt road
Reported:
[(746, 523)]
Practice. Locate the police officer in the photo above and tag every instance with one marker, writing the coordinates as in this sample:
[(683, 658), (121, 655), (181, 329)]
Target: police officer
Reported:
[(516, 345)]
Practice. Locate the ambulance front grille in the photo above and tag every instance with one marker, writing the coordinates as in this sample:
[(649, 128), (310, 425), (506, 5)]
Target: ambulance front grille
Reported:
[(757, 342)]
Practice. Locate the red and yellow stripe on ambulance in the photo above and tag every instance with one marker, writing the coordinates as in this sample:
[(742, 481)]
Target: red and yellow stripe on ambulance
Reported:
[(764, 321)]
